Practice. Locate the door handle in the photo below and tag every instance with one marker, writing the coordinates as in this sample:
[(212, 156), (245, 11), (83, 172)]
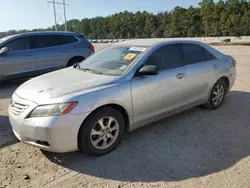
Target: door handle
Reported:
[(180, 75), (215, 66), (63, 50)]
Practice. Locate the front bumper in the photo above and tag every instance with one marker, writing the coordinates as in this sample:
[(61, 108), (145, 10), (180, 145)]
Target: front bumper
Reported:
[(55, 133)]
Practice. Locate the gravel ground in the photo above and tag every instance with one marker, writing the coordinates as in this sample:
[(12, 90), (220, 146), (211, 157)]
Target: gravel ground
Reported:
[(197, 148)]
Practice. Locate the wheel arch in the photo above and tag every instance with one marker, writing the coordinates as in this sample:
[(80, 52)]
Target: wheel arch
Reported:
[(226, 80), (118, 107), (124, 113), (83, 134), (75, 57)]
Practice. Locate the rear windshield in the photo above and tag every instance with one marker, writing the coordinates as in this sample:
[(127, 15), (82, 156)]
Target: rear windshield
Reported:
[(111, 61)]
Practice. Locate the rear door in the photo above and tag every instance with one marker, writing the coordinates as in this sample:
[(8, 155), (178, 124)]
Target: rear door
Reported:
[(201, 75), (19, 60), (154, 95), (50, 52)]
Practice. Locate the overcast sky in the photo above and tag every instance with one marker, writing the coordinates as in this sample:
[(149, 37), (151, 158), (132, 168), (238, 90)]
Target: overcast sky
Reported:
[(30, 14)]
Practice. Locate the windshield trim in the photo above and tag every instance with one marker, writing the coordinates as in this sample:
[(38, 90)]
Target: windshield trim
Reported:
[(4, 39)]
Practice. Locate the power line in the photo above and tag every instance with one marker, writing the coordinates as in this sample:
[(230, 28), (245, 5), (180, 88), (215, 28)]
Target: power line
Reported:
[(58, 17)]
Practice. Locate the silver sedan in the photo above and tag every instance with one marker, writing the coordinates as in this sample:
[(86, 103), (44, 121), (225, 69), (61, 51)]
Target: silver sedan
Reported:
[(130, 84)]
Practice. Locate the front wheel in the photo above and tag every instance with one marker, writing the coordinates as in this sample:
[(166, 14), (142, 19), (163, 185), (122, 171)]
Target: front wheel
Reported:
[(217, 95), (101, 132)]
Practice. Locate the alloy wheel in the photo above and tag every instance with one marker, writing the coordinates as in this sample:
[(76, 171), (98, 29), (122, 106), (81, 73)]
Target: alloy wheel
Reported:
[(104, 133), (218, 94)]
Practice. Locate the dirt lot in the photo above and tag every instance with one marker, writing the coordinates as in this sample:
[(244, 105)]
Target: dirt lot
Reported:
[(197, 148)]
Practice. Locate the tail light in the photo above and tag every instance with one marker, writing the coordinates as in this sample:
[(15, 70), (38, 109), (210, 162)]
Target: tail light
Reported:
[(92, 47)]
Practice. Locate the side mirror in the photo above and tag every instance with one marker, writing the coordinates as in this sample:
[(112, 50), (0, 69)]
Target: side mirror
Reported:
[(3, 50), (148, 70)]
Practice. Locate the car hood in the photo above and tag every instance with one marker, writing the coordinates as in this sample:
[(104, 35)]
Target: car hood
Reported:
[(52, 87)]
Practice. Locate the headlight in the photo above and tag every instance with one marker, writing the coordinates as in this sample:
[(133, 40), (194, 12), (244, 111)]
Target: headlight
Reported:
[(52, 109)]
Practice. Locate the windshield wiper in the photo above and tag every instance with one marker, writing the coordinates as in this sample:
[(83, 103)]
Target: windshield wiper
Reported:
[(77, 65), (91, 70)]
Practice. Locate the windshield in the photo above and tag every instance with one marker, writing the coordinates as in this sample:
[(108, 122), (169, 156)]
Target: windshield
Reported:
[(111, 61)]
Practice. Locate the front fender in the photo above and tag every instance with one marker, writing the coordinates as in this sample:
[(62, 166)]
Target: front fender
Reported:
[(118, 94)]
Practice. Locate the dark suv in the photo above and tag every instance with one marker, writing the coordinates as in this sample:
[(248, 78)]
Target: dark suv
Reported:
[(35, 53)]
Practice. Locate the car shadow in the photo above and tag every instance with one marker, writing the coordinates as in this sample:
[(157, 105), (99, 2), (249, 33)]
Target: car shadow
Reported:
[(192, 144), (7, 88), (7, 136)]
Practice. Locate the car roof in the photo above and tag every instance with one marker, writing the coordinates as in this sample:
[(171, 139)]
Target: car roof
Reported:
[(45, 33), (152, 42)]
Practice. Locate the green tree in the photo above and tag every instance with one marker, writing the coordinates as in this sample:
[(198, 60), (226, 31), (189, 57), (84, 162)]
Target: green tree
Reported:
[(220, 18)]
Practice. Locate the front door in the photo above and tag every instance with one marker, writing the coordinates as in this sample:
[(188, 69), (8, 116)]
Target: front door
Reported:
[(154, 95), (19, 60)]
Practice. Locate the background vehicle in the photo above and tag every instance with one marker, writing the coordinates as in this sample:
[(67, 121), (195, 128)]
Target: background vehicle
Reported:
[(118, 89), (94, 41), (35, 53)]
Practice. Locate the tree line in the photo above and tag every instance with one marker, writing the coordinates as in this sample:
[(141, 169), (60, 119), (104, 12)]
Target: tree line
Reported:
[(221, 18)]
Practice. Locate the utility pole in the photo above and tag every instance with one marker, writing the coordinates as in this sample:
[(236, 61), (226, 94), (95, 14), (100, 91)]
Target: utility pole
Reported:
[(54, 7), (64, 11), (57, 16)]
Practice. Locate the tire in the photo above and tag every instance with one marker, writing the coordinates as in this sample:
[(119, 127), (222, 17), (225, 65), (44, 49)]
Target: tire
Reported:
[(87, 141), (75, 60), (211, 104)]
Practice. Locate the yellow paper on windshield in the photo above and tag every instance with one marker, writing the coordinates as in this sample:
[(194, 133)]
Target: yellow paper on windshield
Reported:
[(129, 56)]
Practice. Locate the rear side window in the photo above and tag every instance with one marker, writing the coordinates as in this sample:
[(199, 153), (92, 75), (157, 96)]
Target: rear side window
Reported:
[(80, 37), (18, 44), (166, 57), (193, 54), (209, 56), (65, 39)]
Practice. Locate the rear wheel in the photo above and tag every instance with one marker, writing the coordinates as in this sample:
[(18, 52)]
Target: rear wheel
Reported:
[(217, 95), (101, 132), (74, 60)]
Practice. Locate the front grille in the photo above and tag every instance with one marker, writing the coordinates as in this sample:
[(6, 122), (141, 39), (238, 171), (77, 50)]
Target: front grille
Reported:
[(18, 108)]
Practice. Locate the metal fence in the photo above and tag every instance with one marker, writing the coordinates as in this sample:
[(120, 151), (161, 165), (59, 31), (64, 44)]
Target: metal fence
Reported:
[(205, 39)]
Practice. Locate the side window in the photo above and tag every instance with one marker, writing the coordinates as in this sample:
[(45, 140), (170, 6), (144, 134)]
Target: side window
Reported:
[(193, 53), (44, 41), (171, 56), (66, 39), (166, 57), (18, 44), (156, 60)]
